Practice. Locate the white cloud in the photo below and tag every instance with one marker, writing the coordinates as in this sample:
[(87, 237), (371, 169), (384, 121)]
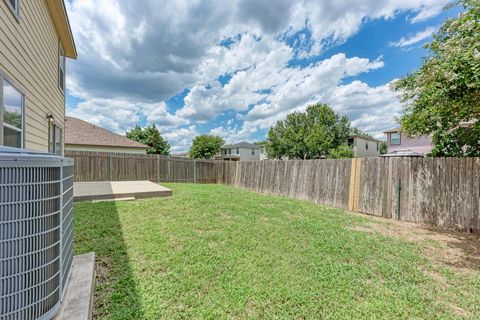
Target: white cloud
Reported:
[(133, 57), (415, 38)]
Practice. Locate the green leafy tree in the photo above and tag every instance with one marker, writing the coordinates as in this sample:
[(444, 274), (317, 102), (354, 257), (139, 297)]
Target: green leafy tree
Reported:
[(442, 98), (308, 135), (205, 146), (383, 147), (342, 151), (151, 137)]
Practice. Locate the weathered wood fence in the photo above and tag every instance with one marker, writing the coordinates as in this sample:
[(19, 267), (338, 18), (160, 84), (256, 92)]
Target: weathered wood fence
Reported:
[(106, 166), (437, 191)]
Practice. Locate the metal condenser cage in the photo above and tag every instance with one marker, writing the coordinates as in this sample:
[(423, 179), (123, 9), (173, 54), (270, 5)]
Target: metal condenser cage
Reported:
[(36, 238)]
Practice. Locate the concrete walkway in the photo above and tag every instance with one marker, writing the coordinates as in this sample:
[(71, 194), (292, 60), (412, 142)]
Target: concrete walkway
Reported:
[(77, 303), (102, 190)]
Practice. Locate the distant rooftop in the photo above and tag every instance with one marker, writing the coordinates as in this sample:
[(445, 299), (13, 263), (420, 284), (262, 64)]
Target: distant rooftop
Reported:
[(80, 132), (245, 145)]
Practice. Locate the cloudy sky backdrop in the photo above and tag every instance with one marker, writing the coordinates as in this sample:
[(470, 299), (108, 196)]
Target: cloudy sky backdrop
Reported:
[(234, 68)]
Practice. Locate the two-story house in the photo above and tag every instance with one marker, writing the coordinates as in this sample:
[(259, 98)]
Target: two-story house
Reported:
[(400, 144), (364, 146), (240, 151), (35, 40)]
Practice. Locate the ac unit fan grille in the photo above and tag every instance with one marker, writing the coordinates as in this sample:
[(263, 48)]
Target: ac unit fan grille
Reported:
[(36, 238)]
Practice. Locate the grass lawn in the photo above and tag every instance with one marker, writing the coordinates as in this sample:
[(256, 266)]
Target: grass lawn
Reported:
[(213, 251)]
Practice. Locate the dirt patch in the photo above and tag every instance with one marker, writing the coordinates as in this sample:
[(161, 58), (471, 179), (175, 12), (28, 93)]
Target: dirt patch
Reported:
[(457, 249)]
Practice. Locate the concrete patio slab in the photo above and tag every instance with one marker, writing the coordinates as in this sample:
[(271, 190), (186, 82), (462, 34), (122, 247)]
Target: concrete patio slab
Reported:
[(102, 190), (77, 303)]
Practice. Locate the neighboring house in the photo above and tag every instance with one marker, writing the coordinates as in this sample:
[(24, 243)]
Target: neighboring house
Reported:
[(83, 136), (400, 144), (185, 155), (35, 41), (364, 146), (240, 151)]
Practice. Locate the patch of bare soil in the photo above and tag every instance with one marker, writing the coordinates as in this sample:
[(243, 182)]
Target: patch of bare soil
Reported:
[(460, 250)]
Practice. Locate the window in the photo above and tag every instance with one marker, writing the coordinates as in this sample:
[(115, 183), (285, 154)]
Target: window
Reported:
[(229, 151), (350, 142), (55, 139), (395, 138), (366, 145), (377, 146), (14, 5), (238, 151), (253, 152), (12, 115), (61, 69)]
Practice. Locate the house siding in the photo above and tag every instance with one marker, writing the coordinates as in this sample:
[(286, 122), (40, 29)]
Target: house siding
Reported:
[(75, 147), (244, 153), (360, 148), (422, 145), (29, 59)]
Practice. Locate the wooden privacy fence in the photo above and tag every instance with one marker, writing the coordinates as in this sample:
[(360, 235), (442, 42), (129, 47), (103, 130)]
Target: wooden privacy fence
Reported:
[(106, 166), (438, 191)]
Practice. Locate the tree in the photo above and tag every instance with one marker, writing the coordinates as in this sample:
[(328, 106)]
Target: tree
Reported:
[(342, 151), (308, 135), (205, 146), (442, 98), (383, 147), (151, 137)]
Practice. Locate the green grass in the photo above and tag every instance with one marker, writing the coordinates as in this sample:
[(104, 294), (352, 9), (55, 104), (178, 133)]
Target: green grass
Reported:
[(212, 252)]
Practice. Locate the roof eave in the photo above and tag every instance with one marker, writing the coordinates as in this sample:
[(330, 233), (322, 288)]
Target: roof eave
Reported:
[(59, 16)]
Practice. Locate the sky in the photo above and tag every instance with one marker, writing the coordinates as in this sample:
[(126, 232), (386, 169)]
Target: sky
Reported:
[(234, 68)]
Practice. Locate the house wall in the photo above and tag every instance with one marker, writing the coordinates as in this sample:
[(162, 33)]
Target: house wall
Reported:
[(420, 145), (360, 148), (263, 153), (76, 147), (244, 153), (29, 59)]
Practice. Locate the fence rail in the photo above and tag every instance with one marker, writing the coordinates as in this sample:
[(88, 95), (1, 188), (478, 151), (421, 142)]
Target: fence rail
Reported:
[(438, 191), (104, 166)]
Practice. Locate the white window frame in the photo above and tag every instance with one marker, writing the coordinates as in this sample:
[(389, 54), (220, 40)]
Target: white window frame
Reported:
[(52, 138), (3, 78), (16, 10), (62, 68)]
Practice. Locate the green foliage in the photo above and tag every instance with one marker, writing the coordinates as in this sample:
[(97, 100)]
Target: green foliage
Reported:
[(383, 147), (340, 152), (205, 146), (12, 118), (445, 92), (308, 135), (151, 137)]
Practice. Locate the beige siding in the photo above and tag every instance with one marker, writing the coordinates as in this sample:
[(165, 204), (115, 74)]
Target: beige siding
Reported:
[(74, 147), (29, 58)]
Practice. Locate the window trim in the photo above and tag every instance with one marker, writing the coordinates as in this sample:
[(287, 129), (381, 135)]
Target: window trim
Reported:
[(399, 138), (15, 11), (61, 53), (3, 78), (51, 139)]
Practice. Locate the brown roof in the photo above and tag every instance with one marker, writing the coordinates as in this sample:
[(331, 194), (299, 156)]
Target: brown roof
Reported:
[(83, 133)]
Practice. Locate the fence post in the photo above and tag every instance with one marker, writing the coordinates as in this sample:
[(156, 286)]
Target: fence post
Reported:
[(194, 171), (354, 187), (158, 168), (110, 167)]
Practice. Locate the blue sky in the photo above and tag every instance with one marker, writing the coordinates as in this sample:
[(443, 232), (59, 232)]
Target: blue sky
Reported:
[(235, 69)]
